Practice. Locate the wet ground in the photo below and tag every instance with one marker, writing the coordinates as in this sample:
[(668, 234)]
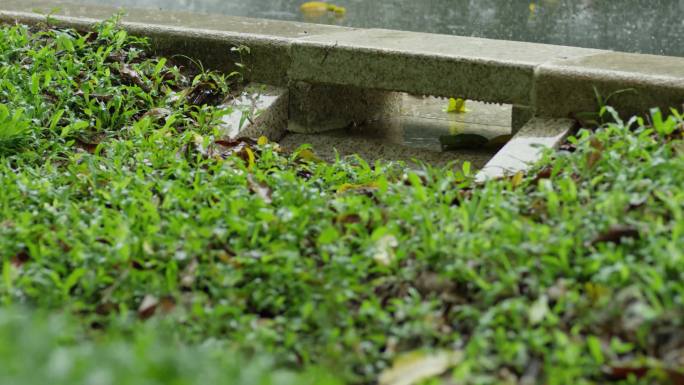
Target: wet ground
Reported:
[(413, 134), (642, 26)]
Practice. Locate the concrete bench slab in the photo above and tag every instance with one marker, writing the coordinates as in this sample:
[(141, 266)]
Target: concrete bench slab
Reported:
[(420, 63), (655, 81)]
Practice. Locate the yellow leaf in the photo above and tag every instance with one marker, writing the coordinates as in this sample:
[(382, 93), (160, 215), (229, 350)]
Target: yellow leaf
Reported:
[(250, 158), (338, 10), (308, 155), (319, 8), (517, 179), (415, 367), (350, 186), (456, 105), (262, 140)]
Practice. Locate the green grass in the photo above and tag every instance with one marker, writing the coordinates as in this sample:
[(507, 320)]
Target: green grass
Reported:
[(120, 207)]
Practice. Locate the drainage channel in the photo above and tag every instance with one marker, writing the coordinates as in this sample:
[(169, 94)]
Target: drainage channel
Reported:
[(418, 132)]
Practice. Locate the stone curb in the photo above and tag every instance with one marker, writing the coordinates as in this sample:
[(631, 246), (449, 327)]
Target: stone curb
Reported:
[(556, 81)]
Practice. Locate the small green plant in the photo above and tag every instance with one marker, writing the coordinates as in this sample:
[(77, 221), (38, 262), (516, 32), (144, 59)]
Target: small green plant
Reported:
[(13, 128)]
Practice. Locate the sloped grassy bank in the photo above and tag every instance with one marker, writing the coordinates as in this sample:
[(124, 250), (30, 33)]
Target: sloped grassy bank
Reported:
[(122, 207)]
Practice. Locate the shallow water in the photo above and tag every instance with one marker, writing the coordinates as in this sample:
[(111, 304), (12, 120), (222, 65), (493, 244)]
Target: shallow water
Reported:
[(643, 26)]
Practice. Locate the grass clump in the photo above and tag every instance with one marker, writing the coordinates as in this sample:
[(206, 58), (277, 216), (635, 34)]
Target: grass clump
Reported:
[(44, 349), (121, 205)]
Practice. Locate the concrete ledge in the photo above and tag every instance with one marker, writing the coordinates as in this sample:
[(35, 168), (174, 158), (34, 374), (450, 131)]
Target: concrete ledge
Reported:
[(555, 81), (570, 86), (419, 63)]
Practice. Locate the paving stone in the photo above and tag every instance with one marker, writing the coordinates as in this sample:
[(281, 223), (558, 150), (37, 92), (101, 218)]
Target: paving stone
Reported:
[(258, 110), (526, 147)]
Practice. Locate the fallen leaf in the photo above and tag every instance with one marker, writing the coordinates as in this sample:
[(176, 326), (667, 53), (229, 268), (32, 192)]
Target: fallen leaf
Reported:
[(621, 372), (348, 218), (251, 159), (416, 367), (616, 234), (260, 189), (203, 93), (131, 76), (384, 250), (463, 195), (307, 155), (366, 188), (87, 147), (262, 140), (595, 155), (167, 304), (569, 147), (544, 173), (320, 8), (158, 113), (538, 310), (20, 258), (240, 147), (189, 274), (148, 306), (517, 179), (304, 174)]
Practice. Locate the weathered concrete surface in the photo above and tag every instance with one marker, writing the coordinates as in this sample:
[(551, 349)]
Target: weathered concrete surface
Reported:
[(556, 81), (258, 110), (520, 116), (570, 86), (318, 108), (526, 147), (208, 38), (419, 63)]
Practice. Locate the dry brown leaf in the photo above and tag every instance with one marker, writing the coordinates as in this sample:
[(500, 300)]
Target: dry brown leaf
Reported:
[(132, 76), (20, 258), (616, 234), (148, 306), (260, 189)]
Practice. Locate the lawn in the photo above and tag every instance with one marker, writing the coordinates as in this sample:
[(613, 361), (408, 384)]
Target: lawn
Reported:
[(139, 245)]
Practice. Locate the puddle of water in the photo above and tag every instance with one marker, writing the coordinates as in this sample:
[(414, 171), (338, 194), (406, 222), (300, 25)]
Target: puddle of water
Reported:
[(414, 134), (643, 26)]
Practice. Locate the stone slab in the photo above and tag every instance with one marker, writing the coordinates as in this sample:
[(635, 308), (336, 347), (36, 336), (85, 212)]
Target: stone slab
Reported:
[(567, 87), (317, 108), (208, 38), (526, 147), (258, 110), (420, 63)]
